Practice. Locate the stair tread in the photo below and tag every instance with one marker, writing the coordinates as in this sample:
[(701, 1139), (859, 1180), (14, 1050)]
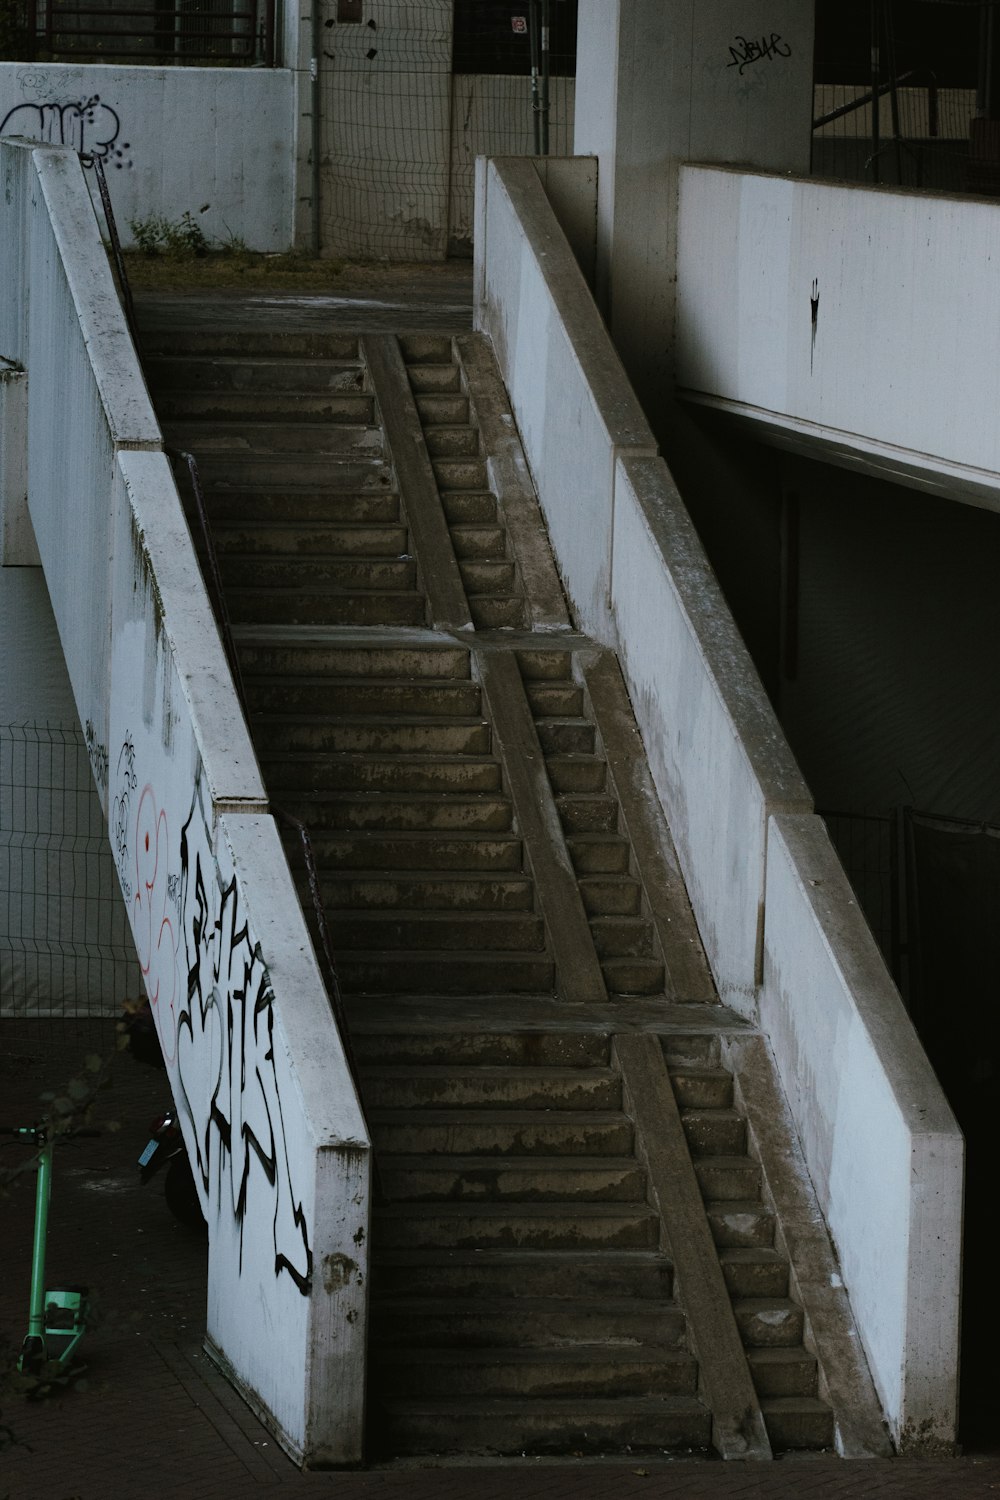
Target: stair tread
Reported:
[(516, 1209)]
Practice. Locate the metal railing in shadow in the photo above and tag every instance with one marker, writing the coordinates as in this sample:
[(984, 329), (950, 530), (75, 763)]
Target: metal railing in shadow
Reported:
[(220, 607)]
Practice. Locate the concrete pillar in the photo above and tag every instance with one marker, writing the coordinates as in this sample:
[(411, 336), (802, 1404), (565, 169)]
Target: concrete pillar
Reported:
[(660, 82), (17, 538)]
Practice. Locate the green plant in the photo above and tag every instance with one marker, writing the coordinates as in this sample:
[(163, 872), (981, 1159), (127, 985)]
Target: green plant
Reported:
[(180, 239)]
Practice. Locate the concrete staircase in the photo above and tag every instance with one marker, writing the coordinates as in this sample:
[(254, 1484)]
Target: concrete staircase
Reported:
[(573, 1250)]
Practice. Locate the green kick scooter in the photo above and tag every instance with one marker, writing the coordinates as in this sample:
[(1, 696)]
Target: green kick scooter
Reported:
[(57, 1316)]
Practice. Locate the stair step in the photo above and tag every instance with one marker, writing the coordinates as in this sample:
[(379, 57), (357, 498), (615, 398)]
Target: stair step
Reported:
[(351, 574), (737, 1224), (469, 507), (782, 1371), (320, 696), (526, 1321), (424, 812), (452, 442), (433, 377), (576, 773), (623, 937), (374, 734), (569, 1275), (427, 349), (534, 1372), (795, 1422), (769, 1323), (222, 437), (492, 613), (488, 577), (507, 1132), (545, 1426), (485, 543), (345, 895), (498, 1049), (607, 896), (300, 542), (599, 854), (444, 409), (298, 508), (446, 974), (291, 606), (633, 976), (517, 1226), (728, 1178), (565, 736), (434, 1178), (555, 699), (524, 1088), (260, 405), (549, 664), (696, 1049), (239, 471), (714, 1132), (364, 661), (754, 1272), (389, 773), (460, 473), (397, 852), (702, 1088), (240, 343), (444, 932), (170, 372), (588, 814)]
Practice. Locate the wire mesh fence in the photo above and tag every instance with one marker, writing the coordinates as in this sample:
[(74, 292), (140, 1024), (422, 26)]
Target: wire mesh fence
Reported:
[(65, 946), (408, 98), (903, 94)]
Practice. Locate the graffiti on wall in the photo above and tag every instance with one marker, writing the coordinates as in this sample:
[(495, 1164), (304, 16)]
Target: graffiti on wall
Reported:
[(746, 50), (214, 1005), (88, 125), (98, 756)]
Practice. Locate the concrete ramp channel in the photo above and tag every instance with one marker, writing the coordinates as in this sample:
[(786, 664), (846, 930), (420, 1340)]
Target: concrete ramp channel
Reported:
[(592, 1229)]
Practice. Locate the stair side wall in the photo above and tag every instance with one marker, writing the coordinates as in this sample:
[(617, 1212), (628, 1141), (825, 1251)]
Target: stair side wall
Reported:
[(638, 579), (270, 1115)]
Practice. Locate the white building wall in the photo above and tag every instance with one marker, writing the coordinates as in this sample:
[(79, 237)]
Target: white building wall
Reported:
[(212, 142), (837, 318)]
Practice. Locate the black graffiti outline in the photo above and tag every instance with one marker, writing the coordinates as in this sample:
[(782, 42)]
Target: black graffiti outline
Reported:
[(119, 821), (98, 753), (200, 933), (69, 122), (743, 50)]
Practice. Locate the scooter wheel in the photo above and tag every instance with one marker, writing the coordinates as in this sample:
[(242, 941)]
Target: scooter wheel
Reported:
[(182, 1195)]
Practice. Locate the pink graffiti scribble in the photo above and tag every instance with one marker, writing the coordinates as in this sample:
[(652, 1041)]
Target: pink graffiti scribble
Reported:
[(155, 942)]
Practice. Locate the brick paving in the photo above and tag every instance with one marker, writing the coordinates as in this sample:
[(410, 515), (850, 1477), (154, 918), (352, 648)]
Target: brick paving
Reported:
[(154, 1417)]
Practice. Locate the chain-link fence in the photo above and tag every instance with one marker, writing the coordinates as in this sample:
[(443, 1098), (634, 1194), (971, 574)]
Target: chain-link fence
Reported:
[(411, 91), (65, 945), (904, 93)]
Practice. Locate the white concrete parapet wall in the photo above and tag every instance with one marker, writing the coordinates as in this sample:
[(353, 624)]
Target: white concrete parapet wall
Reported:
[(846, 311), (575, 408), (217, 143), (881, 1144), (884, 1151), (269, 1111)]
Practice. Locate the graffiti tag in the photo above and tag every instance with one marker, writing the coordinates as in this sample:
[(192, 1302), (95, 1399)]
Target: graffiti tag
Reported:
[(88, 125), (746, 50)]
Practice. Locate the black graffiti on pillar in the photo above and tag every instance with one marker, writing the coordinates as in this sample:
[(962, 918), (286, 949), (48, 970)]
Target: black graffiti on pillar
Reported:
[(225, 969), (746, 50)]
